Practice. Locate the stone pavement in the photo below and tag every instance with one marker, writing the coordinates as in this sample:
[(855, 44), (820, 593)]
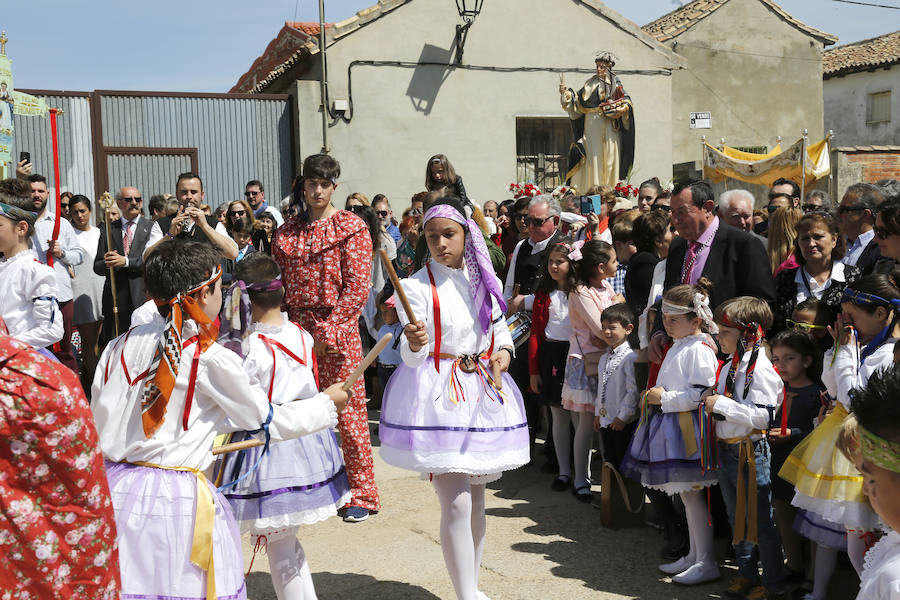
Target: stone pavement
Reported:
[(540, 544)]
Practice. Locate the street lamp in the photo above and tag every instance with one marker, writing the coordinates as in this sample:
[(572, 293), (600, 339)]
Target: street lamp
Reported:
[(468, 10)]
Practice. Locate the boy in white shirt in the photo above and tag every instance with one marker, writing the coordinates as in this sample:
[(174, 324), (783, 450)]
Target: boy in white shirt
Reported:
[(615, 415), (161, 394), (29, 302)]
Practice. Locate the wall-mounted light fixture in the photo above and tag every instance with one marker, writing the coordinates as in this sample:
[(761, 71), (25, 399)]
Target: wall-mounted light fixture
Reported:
[(468, 10)]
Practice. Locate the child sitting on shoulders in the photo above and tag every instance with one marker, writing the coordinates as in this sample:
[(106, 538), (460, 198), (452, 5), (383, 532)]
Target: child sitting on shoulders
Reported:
[(878, 422), (616, 412), (161, 394), (299, 481), (747, 393), (29, 303)]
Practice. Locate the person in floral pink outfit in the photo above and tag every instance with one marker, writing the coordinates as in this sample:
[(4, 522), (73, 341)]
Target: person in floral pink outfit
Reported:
[(325, 255), (57, 527)]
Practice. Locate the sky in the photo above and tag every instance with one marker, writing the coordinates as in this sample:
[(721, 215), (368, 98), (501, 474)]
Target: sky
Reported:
[(205, 45)]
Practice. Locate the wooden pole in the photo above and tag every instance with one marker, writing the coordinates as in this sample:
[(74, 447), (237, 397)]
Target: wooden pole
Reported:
[(395, 280), (106, 202), (354, 376)]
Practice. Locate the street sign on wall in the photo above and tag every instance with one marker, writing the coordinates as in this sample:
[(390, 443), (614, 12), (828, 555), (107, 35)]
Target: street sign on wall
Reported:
[(701, 120)]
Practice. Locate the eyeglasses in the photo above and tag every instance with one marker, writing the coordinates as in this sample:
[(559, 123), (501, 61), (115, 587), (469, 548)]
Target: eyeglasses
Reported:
[(521, 217), (807, 327), (842, 210), (248, 193), (882, 233), (415, 211), (811, 207), (772, 208), (383, 214), (536, 222), (239, 213), (132, 199)]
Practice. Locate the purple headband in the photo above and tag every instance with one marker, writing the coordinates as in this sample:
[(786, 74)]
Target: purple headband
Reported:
[(483, 283), (234, 321)]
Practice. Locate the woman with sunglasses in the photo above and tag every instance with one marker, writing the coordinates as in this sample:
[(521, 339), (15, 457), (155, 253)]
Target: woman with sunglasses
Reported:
[(818, 248), (887, 230), (238, 210)]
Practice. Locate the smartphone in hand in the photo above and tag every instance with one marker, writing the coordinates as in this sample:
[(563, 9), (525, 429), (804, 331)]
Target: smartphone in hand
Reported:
[(591, 204)]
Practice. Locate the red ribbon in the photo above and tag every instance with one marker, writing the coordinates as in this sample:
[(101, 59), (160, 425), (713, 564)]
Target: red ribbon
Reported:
[(58, 215)]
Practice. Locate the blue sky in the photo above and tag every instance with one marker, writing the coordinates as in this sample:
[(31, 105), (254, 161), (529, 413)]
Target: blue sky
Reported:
[(205, 45)]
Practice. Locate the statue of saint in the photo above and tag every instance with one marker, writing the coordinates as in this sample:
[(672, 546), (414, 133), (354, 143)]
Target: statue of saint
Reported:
[(602, 120)]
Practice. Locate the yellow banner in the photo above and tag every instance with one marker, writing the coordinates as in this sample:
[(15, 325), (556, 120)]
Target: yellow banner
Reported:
[(764, 169)]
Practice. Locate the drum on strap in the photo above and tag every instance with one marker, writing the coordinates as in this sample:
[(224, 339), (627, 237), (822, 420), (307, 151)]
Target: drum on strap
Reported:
[(519, 327)]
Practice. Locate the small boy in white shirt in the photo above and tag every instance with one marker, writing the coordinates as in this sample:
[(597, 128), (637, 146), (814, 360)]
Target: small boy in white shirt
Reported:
[(29, 303), (616, 412)]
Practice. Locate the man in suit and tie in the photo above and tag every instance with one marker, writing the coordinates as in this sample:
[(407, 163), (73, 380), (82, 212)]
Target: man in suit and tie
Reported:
[(732, 259), (131, 236)]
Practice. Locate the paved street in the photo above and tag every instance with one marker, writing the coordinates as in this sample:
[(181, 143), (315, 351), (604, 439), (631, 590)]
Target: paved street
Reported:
[(540, 544)]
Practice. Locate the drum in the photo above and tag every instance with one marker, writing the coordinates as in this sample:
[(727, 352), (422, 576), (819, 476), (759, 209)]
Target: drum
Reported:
[(519, 327)]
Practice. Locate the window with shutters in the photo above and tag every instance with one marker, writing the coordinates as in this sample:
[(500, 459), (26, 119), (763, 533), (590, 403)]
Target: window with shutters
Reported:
[(878, 109)]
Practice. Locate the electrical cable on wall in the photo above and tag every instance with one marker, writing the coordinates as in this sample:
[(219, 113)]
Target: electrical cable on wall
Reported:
[(348, 115)]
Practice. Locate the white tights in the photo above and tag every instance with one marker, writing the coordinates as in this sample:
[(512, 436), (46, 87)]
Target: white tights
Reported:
[(562, 439), (856, 550), (462, 530), (700, 530), (584, 443), (290, 572)]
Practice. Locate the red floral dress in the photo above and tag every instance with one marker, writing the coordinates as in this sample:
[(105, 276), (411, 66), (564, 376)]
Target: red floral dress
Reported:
[(57, 526), (326, 267)]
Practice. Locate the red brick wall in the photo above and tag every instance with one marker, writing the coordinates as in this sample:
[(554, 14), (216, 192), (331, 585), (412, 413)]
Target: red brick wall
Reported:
[(877, 165)]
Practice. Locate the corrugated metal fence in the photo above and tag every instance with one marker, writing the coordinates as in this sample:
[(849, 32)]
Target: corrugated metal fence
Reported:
[(148, 138)]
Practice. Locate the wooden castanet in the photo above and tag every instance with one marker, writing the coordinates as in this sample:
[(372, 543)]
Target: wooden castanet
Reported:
[(354, 376)]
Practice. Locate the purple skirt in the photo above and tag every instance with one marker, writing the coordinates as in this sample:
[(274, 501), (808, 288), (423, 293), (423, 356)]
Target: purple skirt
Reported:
[(814, 527), (299, 482), (423, 429), (155, 525), (658, 459)]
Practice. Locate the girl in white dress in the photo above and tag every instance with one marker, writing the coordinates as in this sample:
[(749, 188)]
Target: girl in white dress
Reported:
[(443, 414)]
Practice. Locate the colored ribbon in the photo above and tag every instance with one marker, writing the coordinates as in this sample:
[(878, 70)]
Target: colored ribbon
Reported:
[(686, 424), (167, 358), (746, 506)]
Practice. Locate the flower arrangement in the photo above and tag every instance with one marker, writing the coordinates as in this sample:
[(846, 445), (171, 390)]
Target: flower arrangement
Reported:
[(561, 191), (524, 189), (626, 190)]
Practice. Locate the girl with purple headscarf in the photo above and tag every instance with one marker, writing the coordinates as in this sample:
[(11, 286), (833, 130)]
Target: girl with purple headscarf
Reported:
[(443, 415)]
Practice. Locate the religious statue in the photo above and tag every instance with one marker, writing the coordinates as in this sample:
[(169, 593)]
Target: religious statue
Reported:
[(602, 120)]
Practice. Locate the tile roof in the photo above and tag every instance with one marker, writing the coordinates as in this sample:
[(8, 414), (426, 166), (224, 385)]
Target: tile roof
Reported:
[(875, 52), (681, 19), (291, 39)]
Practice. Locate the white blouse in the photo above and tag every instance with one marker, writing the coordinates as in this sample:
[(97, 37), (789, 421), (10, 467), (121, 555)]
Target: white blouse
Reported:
[(461, 331), (880, 578), (688, 369), (29, 302), (617, 394), (558, 328), (742, 415), (846, 373), (292, 380), (807, 285), (224, 400)]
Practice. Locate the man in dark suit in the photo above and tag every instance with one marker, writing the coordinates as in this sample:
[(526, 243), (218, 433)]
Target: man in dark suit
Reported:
[(190, 224), (856, 217), (131, 236)]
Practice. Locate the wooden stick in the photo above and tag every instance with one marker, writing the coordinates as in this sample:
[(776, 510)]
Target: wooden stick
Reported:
[(356, 374), (397, 287)]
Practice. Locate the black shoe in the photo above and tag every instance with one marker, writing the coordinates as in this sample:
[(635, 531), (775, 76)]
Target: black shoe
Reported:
[(583, 494), (677, 543), (561, 483)]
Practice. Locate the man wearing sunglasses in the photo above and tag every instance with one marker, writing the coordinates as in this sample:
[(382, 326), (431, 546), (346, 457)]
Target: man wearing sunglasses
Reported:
[(784, 193), (856, 218), (131, 235), (255, 194), (386, 216)]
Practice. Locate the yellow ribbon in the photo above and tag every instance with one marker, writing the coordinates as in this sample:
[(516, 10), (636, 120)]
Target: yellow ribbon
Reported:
[(204, 521), (686, 423), (746, 518)]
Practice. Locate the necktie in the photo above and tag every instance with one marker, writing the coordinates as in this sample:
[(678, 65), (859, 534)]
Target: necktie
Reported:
[(689, 259), (126, 239)]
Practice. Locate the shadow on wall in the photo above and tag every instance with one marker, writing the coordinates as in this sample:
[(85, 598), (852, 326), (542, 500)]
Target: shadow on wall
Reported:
[(428, 77), (343, 585)]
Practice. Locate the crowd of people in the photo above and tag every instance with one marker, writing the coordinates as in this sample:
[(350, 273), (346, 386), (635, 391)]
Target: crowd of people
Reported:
[(724, 355)]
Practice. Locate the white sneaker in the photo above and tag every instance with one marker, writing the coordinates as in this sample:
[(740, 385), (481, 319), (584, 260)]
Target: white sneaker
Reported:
[(674, 568), (700, 572)]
